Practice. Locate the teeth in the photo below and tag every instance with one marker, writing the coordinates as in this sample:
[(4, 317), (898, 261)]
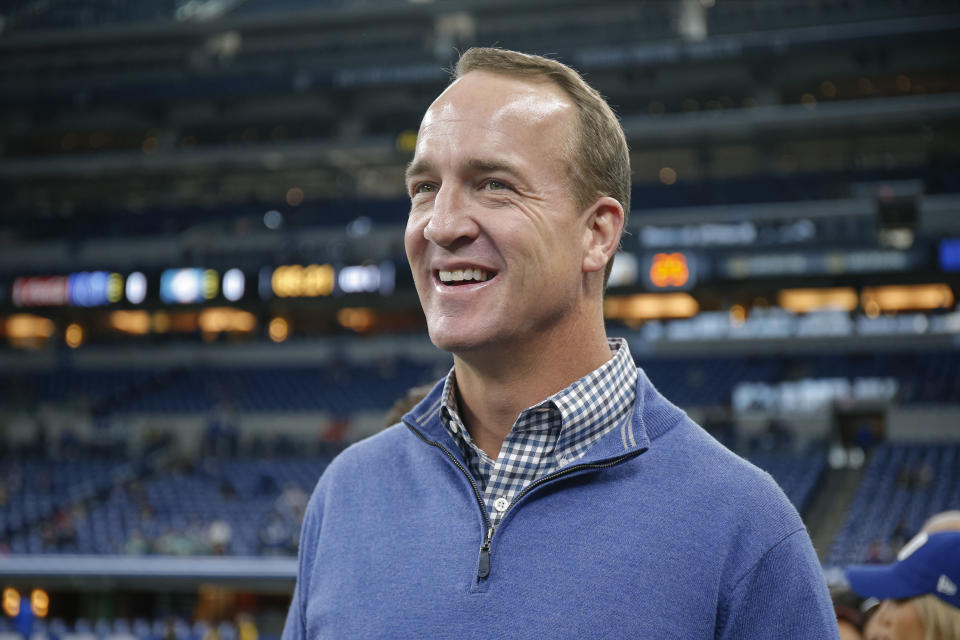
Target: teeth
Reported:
[(459, 275)]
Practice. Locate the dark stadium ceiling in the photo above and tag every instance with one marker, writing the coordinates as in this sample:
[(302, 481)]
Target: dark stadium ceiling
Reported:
[(239, 100)]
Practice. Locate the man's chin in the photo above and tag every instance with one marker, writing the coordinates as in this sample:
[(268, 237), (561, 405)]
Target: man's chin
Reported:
[(457, 341)]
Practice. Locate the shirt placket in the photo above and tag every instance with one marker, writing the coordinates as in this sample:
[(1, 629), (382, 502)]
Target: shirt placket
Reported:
[(505, 481)]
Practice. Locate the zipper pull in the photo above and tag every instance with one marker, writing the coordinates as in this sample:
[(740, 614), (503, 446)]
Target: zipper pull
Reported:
[(484, 569)]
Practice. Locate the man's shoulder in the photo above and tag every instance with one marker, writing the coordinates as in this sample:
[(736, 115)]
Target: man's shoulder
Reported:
[(376, 449), (710, 471)]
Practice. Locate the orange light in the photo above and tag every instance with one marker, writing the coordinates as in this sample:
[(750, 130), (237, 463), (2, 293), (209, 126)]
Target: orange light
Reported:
[(908, 297), (357, 318), (667, 175), (160, 322), (294, 281), (11, 602), (806, 300), (40, 603), (651, 306), (221, 319), (26, 326), (73, 336), (669, 270), (135, 322), (738, 315), (294, 196), (279, 329)]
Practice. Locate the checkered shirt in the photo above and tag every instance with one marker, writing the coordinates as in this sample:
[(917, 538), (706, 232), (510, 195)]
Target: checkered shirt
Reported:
[(549, 435)]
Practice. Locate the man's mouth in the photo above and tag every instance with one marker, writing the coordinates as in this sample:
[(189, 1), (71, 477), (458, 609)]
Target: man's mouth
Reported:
[(458, 277)]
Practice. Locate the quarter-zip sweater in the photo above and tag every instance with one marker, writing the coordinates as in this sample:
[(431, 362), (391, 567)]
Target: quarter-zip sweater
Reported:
[(657, 532)]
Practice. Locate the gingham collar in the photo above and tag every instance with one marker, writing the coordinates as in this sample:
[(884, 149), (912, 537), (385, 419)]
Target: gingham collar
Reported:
[(552, 433)]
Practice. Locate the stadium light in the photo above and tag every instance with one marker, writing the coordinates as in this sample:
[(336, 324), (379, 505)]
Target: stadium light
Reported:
[(136, 288), (297, 281), (909, 297), (24, 326), (234, 283), (134, 322), (73, 336), (225, 319), (359, 319), (807, 300), (651, 306), (11, 602), (39, 603), (279, 329)]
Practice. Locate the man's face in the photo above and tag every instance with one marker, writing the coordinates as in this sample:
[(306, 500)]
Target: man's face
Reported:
[(494, 238)]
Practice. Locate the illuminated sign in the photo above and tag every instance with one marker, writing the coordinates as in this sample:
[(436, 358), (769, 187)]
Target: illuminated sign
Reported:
[(136, 289), (94, 288), (297, 281), (40, 291), (671, 271), (950, 254), (80, 289), (317, 280), (836, 262), (234, 283), (186, 286), (369, 278)]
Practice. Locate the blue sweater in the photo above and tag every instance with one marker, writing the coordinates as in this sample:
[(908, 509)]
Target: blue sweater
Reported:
[(657, 532)]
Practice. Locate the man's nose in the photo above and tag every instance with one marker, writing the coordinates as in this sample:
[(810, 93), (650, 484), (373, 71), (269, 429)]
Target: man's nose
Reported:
[(451, 221)]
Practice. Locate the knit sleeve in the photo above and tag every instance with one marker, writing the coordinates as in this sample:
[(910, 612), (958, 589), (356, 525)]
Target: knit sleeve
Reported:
[(781, 597), (295, 627)]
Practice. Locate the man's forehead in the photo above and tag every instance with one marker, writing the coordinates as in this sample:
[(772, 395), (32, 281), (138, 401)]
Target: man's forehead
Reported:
[(494, 97)]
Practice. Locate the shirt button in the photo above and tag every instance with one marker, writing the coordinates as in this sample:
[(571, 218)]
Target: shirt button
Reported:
[(501, 504)]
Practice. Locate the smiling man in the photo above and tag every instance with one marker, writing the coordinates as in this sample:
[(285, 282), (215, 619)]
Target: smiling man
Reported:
[(543, 489)]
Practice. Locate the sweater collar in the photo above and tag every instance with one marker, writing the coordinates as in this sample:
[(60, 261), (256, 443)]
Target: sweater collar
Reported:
[(653, 415)]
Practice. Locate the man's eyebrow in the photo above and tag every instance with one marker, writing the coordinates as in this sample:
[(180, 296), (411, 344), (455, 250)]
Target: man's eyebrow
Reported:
[(416, 167), (483, 165)]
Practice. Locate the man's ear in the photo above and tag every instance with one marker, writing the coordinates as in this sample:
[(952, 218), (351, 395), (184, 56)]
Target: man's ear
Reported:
[(605, 220)]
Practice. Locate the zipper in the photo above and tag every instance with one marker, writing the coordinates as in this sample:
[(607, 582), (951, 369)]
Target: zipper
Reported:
[(483, 566), (580, 467)]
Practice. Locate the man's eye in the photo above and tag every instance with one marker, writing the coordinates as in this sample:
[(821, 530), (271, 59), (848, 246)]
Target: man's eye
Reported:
[(495, 185), (423, 187)]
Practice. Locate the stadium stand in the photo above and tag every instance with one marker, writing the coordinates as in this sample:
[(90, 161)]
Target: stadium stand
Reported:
[(217, 134), (904, 484)]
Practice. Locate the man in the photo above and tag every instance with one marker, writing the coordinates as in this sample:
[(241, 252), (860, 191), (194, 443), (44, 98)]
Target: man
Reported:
[(543, 489)]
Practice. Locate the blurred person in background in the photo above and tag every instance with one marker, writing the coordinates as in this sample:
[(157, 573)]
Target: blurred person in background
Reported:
[(408, 401), (919, 591), (943, 521), (850, 616), (543, 488)]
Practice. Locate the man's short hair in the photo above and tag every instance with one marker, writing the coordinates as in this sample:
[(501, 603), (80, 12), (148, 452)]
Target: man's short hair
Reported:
[(601, 159)]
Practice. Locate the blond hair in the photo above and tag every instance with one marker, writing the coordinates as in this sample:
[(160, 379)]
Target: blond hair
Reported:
[(941, 621), (601, 159)]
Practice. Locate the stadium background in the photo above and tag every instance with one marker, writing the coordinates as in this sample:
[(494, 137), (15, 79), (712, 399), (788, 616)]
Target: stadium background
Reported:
[(203, 291)]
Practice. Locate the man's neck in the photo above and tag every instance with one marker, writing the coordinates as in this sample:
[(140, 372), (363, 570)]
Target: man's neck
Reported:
[(494, 388)]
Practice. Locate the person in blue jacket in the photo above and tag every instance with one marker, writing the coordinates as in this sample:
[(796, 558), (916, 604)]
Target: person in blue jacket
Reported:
[(543, 488)]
